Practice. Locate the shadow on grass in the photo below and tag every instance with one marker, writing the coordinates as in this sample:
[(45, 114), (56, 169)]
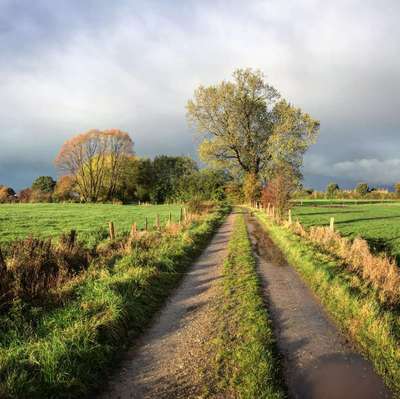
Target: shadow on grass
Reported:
[(325, 213), (367, 219)]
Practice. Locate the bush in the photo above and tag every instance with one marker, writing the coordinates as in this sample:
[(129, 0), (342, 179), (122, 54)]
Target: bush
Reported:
[(331, 190), (65, 189), (7, 194), (25, 195), (195, 205), (397, 189), (40, 196), (362, 189), (34, 267), (278, 192)]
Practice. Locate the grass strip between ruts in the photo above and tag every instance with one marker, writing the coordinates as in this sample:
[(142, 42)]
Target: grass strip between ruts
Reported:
[(246, 359)]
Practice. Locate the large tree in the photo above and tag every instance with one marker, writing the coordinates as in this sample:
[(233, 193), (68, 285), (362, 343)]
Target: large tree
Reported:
[(95, 159), (247, 125)]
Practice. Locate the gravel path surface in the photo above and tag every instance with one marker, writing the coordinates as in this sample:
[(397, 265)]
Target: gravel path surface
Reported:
[(167, 361), (318, 361)]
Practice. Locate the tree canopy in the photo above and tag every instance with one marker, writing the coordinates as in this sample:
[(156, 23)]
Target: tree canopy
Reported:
[(44, 184), (95, 159), (247, 126)]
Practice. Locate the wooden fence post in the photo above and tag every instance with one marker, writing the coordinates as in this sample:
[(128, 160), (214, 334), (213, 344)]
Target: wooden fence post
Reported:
[(71, 238), (158, 221), (332, 223), (290, 216), (2, 262), (146, 224), (133, 230), (111, 230), (181, 216)]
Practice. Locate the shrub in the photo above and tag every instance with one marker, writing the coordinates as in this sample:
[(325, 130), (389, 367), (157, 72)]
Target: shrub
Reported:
[(7, 194), (25, 195), (72, 255), (331, 190), (65, 189), (195, 205), (34, 267), (397, 189), (40, 196), (278, 192), (362, 189)]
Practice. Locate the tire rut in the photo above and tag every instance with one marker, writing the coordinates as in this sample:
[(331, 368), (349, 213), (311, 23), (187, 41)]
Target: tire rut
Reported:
[(318, 361), (168, 360)]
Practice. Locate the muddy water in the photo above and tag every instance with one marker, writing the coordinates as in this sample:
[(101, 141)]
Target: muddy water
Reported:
[(319, 363)]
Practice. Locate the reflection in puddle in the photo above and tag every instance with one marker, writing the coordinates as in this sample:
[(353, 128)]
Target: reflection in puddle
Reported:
[(340, 376)]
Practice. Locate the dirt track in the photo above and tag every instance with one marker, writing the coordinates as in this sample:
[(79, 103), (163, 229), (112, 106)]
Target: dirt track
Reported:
[(318, 361), (166, 362)]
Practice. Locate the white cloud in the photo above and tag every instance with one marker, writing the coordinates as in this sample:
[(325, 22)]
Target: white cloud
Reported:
[(71, 66)]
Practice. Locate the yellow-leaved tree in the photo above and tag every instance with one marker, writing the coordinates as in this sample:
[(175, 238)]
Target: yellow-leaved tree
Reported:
[(247, 126)]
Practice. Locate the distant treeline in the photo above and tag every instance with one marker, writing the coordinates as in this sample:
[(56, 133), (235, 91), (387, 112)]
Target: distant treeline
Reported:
[(360, 191), (163, 179)]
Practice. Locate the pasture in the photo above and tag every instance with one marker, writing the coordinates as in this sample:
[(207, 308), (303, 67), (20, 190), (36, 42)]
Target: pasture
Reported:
[(89, 220), (378, 223)]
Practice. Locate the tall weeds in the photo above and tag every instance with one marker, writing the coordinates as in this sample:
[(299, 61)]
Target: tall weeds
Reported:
[(34, 267), (380, 271)]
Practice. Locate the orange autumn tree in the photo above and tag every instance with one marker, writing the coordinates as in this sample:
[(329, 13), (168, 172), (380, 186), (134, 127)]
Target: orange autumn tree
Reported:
[(95, 160), (65, 188)]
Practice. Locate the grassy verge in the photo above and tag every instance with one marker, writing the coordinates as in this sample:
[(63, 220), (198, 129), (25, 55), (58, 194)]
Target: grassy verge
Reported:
[(376, 223), (351, 301), (64, 350), (246, 362)]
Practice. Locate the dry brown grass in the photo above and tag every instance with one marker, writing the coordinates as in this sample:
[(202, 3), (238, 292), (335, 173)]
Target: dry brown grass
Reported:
[(380, 271), (35, 267)]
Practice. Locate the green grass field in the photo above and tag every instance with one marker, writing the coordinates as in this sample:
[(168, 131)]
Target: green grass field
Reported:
[(379, 223), (50, 220)]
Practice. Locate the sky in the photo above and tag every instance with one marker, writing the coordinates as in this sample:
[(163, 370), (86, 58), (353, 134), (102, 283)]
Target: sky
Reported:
[(67, 66)]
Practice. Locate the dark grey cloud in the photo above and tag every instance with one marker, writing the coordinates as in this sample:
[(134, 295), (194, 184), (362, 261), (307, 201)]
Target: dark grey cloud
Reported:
[(70, 65)]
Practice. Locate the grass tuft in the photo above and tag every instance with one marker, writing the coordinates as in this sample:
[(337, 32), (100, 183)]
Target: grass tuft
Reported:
[(246, 358)]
